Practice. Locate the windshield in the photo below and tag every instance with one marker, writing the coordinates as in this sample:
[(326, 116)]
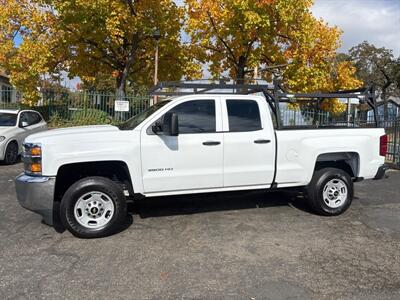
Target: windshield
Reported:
[(7, 119), (139, 118)]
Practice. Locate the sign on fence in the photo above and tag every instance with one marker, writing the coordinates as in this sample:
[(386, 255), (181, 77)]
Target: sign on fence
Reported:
[(121, 105)]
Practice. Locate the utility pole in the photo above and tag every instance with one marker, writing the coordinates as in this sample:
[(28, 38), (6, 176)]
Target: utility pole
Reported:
[(256, 72), (156, 36)]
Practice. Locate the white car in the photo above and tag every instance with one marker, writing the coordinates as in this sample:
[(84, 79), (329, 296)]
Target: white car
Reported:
[(15, 126)]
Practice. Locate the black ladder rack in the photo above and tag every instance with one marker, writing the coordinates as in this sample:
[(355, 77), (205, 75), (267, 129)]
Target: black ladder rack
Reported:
[(274, 93)]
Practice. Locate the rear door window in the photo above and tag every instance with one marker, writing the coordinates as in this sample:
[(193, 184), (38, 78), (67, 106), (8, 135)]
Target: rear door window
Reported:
[(34, 118), (243, 115)]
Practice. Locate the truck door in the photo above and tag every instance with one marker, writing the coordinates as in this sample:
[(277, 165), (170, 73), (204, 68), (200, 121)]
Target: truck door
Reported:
[(193, 159), (249, 142)]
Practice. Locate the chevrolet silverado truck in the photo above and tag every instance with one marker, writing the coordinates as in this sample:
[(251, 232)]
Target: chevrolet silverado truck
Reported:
[(80, 178)]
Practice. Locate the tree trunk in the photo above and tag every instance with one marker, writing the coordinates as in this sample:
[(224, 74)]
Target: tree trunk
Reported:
[(241, 69), (120, 91), (385, 102), (123, 75)]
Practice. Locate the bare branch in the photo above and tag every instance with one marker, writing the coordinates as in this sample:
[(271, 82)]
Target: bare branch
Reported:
[(220, 38), (130, 4), (220, 52)]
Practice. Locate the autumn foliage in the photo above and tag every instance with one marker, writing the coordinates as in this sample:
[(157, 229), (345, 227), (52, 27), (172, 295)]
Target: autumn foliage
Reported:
[(244, 36), (241, 39)]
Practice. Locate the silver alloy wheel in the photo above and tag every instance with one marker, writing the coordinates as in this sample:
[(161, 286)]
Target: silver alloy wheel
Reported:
[(335, 193), (94, 210)]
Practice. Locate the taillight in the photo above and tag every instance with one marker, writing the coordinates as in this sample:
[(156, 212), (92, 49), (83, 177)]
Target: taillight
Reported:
[(383, 146)]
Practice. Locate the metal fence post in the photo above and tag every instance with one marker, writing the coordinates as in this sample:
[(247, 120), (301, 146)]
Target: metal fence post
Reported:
[(396, 148)]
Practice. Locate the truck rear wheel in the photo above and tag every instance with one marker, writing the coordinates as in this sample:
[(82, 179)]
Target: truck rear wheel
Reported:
[(330, 191), (93, 207)]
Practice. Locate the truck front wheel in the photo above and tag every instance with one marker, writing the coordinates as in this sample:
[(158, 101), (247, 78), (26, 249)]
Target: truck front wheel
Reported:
[(93, 207), (330, 191)]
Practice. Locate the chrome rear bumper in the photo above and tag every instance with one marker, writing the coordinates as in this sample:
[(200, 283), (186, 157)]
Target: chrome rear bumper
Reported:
[(36, 194)]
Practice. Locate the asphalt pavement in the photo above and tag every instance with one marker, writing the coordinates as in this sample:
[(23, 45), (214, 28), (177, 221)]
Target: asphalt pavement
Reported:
[(253, 245)]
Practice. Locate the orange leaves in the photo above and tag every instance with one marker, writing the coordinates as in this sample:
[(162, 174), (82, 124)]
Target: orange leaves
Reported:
[(333, 105), (265, 2), (270, 32), (31, 20), (88, 38), (231, 37), (345, 78)]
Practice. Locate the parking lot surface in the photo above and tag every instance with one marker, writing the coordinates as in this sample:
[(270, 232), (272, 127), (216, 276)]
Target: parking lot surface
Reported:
[(252, 245)]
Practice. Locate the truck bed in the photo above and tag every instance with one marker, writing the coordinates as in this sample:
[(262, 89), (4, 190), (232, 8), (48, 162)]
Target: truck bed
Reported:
[(299, 149)]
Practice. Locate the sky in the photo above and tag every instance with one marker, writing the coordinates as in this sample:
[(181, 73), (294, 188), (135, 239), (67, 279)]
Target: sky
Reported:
[(375, 21)]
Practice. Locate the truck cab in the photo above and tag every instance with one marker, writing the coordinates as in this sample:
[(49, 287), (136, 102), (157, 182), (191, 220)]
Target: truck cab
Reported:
[(212, 129)]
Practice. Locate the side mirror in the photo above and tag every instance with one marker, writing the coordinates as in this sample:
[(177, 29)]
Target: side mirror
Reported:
[(171, 124), (24, 124)]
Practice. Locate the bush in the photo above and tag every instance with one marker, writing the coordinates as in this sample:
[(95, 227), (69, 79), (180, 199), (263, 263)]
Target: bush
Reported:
[(89, 117), (80, 118), (56, 121)]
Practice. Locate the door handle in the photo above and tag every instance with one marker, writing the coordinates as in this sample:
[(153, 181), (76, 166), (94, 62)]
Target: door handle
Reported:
[(211, 143), (262, 141)]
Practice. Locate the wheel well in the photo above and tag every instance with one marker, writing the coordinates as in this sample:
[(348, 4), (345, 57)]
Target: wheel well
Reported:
[(12, 141), (346, 161), (69, 174)]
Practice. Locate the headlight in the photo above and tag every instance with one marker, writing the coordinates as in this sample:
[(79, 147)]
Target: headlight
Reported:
[(32, 157), (2, 138)]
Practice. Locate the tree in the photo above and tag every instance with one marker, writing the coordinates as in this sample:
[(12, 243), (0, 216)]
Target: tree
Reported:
[(118, 36), (35, 56), (376, 66), (87, 38), (237, 36), (397, 73)]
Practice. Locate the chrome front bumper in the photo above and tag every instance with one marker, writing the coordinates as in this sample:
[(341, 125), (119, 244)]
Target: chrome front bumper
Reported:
[(36, 194)]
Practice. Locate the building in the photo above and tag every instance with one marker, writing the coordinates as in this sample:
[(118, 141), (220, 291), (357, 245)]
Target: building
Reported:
[(393, 109), (8, 94)]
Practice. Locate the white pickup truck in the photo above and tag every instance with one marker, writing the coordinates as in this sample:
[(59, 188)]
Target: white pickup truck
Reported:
[(81, 177)]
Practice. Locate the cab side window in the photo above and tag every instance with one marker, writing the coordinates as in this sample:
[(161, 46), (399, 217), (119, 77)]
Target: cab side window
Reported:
[(196, 116)]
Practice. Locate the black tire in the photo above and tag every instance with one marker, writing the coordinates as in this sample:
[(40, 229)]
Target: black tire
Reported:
[(322, 180), (11, 154), (94, 185)]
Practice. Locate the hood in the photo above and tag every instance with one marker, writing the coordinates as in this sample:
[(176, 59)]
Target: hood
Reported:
[(71, 132), (84, 144), (74, 134)]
